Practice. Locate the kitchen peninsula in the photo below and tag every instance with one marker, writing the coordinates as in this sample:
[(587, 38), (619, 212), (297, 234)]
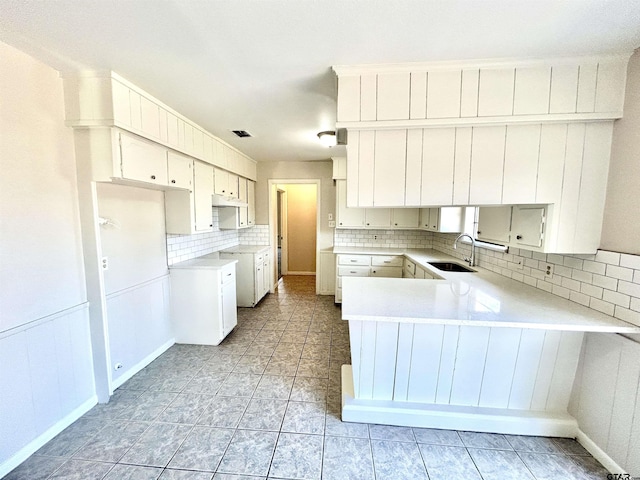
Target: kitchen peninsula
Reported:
[(467, 351)]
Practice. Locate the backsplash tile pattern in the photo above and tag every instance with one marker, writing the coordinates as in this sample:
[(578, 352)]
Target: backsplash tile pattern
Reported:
[(382, 238), (607, 281), (186, 247), (256, 235)]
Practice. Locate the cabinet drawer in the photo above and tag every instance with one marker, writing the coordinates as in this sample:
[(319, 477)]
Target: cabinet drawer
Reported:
[(409, 267), (354, 260), (390, 272), (386, 261), (354, 271)]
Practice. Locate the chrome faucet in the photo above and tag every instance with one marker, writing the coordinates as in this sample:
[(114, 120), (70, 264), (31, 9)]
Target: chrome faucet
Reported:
[(472, 259)]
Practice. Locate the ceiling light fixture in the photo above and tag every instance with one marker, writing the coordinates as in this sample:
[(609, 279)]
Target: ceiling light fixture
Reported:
[(328, 138)]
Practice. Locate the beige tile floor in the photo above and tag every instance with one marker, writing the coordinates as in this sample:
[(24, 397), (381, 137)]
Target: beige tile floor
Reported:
[(266, 404)]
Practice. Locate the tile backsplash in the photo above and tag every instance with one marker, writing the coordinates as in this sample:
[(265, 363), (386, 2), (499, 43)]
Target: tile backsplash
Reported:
[(607, 281), (382, 238), (256, 235), (186, 247)]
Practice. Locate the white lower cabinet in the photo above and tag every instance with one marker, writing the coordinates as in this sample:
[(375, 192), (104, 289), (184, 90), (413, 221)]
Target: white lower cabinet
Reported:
[(203, 303), (366, 266), (253, 272)]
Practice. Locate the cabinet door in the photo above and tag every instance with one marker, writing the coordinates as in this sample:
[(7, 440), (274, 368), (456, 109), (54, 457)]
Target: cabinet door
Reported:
[(242, 189), (228, 299), (389, 168), (425, 219), (233, 185), (251, 200), (527, 224), (259, 281), (221, 182), (377, 217), (142, 161), (438, 153), (347, 217), (405, 218), (487, 165), (266, 273), (180, 170), (494, 224), (202, 191)]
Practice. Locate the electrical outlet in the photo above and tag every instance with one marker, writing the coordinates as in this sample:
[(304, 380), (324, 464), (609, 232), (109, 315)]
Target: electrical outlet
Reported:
[(105, 263), (549, 270), (332, 224)]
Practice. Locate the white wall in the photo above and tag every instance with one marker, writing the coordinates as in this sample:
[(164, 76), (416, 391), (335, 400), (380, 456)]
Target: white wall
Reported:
[(46, 370), (137, 282), (621, 226)]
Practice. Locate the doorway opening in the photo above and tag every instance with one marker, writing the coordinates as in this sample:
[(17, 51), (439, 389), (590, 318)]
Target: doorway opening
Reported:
[(294, 217)]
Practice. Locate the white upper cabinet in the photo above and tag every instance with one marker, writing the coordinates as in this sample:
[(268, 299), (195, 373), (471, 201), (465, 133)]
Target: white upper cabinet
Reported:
[(393, 96), (521, 155), (390, 153), (495, 93), (203, 190), (108, 100), (489, 92), (494, 224), (487, 165), (532, 88), (443, 94), (438, 157), (180, 169), (405, 217), (143, 161)]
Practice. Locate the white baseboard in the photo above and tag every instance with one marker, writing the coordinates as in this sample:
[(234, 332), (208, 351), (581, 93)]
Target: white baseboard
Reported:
[(599, 454), (37, 443), (452, 417), (141, 364)]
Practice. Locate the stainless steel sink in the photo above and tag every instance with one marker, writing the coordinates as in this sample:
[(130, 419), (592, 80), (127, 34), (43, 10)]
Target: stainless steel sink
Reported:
[(451, 267)]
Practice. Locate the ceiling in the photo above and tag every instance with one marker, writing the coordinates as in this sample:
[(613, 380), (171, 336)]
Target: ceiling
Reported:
[(265, 65)]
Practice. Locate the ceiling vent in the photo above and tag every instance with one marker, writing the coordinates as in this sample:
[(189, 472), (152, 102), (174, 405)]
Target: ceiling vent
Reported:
[(242, 133)]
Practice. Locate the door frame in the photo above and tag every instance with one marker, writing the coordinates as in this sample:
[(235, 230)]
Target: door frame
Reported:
[(284, 241), (273, 219)]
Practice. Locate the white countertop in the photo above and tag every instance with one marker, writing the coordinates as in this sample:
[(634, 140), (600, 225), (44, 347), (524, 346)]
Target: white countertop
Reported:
[(246, 249), (482, 298), (211, 261)]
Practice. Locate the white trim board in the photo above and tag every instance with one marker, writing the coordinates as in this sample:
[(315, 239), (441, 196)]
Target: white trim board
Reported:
[(37, 443), (453, 417), (142, 363)]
